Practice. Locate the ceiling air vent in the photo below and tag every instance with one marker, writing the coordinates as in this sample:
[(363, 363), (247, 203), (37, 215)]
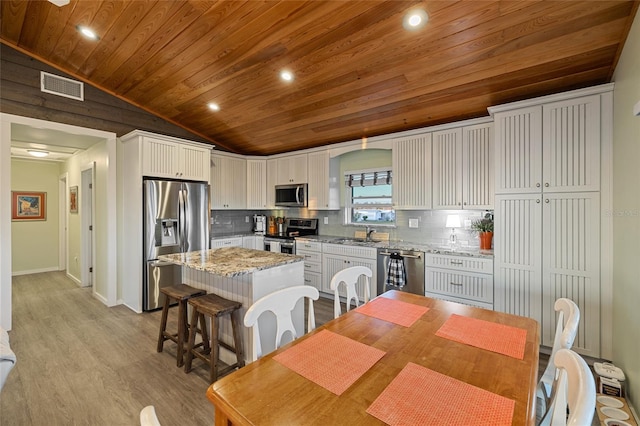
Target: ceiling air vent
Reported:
[(61, 86)]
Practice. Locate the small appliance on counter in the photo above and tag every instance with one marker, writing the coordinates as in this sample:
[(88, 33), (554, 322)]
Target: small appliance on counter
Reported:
[(259, 224)]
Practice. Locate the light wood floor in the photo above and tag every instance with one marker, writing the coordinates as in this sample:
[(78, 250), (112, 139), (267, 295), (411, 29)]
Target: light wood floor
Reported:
[(81, 363)]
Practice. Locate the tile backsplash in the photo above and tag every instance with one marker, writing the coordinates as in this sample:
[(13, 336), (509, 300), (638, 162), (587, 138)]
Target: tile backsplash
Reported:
[(431, 224)]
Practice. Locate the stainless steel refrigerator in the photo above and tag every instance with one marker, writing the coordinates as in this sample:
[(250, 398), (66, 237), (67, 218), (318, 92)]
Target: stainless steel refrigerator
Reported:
[(176, 220)]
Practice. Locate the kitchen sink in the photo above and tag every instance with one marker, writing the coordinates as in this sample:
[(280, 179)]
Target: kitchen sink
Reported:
[(351, 240)]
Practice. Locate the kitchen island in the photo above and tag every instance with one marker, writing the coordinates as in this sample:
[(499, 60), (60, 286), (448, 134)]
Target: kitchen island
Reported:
[(243, 275)]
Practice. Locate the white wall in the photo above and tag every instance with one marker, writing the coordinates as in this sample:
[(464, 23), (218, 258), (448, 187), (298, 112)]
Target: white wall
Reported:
[(98, 155), (35, 244), (5, 222), (626, 214)]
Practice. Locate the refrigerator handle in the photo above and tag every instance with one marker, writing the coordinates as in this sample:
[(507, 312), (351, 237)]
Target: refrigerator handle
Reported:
[(182, 220)]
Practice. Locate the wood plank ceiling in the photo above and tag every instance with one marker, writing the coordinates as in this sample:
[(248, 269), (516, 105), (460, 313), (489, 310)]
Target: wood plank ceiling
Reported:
[(358, 71)]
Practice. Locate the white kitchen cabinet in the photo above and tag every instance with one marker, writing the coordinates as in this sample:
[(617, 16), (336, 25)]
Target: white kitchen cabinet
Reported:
[(226, 242), (228, 182), (552, 147), (336, 257), (518, 255), (571, 264), (571, 145), (272, 178), (547, 241), (255, 242), (311, 251), (170, 159), (291, 169), (256, 184), (324, 179), (411, 162), (467, 280), (463, 168)]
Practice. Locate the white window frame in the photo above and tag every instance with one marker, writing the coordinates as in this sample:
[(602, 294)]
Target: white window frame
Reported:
[(349, 206)]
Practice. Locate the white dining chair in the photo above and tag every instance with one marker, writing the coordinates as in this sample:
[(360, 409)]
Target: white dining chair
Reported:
[(281, 303), (148, 416), (574, 387), (566, 329), (349, 277)]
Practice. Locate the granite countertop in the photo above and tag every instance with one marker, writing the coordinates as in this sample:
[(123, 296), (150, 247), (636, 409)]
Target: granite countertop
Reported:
[(401, 245), (231, 235), (231, 261)]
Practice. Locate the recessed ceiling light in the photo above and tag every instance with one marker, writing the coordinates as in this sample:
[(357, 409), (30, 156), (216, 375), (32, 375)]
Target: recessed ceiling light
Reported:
[(213, 106), (415, 19), (87, 32), (37, 153), (286, 75)]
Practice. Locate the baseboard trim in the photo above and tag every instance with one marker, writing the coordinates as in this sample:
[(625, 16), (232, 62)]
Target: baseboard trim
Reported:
[(74, 279), (34, 271)]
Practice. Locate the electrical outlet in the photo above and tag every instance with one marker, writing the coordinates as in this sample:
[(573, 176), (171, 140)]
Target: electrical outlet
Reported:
[(467, 223), (413, 223), (246, 219), (326, 220)]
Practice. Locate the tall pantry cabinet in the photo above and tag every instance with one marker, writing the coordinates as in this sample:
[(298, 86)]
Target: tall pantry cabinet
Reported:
[(547, 241)]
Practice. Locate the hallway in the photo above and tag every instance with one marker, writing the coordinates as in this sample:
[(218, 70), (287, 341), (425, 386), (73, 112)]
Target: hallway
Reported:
[(81, 363)]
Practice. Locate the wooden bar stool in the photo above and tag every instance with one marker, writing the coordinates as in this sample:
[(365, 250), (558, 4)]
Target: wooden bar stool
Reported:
[(180, 293), (215, 307)]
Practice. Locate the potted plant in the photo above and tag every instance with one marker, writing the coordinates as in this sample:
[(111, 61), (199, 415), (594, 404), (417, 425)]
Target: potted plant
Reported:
[(484, 228)]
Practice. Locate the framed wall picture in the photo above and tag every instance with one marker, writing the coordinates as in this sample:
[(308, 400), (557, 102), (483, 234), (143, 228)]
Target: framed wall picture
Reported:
[(28, 205), (73, 199)]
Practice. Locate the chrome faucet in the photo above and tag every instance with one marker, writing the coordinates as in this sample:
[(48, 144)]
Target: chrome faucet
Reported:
[(369, 232)]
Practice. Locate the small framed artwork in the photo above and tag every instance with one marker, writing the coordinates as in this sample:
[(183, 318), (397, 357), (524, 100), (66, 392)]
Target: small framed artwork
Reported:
[(27, 205), (73, 199)]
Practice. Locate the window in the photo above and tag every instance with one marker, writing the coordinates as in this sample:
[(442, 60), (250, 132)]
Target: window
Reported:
[(369, 199)]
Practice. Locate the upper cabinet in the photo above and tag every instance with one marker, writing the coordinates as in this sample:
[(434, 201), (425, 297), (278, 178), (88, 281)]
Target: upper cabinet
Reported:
[(411, 162), (228, 182), (170, 159), (463, 168), (553, 147), (324, 190), (291, 169), (272, 178), (256, 184)]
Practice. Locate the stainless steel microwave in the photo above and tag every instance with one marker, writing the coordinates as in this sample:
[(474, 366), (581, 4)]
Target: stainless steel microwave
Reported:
[(294, 195)]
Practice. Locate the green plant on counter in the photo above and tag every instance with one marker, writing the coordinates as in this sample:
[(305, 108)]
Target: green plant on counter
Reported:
[(482, 225)]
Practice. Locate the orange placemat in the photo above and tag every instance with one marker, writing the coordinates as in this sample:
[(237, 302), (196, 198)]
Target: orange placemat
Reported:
[(395, 311), (420, 396), (487, 335), (330, 360)]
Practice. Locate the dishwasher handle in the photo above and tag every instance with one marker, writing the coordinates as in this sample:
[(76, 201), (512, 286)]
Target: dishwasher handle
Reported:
[(409, 256)]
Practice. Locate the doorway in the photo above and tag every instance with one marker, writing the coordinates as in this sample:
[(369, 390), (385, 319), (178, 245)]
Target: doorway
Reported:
[(87, 222)]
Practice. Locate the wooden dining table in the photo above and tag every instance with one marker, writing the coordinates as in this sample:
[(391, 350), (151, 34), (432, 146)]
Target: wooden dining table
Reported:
[(266, 392)]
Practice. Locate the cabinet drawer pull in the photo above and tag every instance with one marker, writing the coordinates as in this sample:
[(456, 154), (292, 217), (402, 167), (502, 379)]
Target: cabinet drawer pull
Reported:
[(458, 284), (454, 262)]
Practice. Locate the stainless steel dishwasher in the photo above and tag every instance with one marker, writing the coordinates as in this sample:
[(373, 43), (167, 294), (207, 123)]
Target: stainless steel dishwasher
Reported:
[(414, 270)]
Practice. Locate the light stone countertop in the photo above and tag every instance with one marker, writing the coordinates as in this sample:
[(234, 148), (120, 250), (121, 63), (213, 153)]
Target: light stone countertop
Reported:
[(230, 261), (401, 245)]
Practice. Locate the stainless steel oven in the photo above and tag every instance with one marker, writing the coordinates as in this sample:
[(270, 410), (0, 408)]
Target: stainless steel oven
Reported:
[(285, 242)]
